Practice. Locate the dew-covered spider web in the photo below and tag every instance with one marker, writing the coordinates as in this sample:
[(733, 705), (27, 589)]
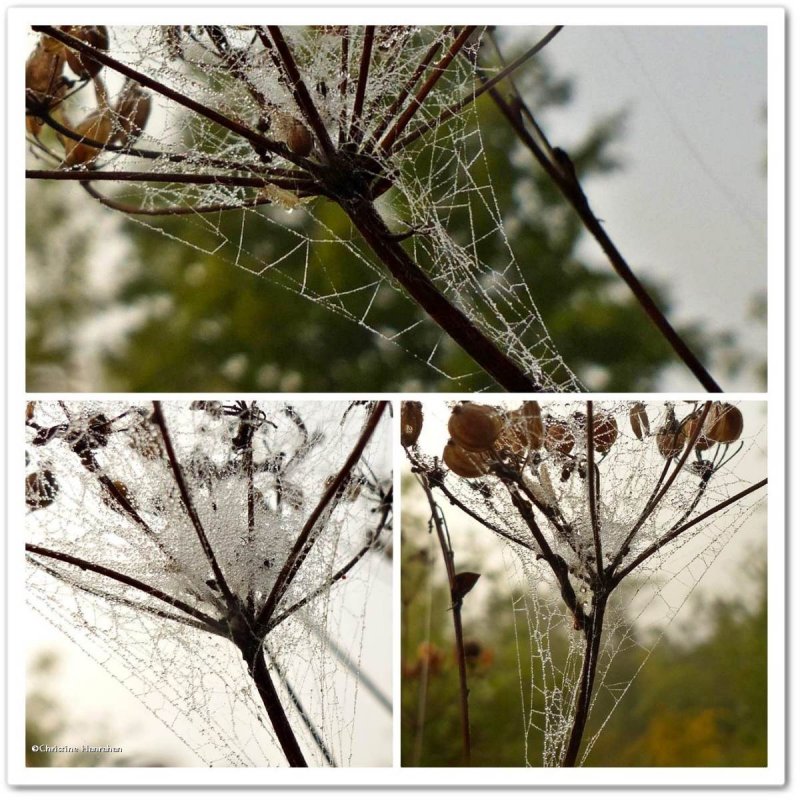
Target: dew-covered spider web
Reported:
[(436, 190), (550, 638), (103, 501)]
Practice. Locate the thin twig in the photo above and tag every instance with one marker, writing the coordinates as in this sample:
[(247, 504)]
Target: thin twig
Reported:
[(177, 472), (256, 139), (669, 536), (287, 67), (593, 490), (654, 500), (404, 92), (305, 540), (356, 128), (456, 108), (107, 572), (449, 562), (566, 180), (387, 144), (339, 574)]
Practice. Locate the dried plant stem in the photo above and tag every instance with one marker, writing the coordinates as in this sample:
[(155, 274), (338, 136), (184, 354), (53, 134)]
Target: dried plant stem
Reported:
[(566, 180), (257, 666), (670, 535), (449, 562), (452, 320), (305, 539), (456, 108), (209, 623), (180, 481), (592, 480), (257, 140), (356, 126), (593, 633), (389, 140)]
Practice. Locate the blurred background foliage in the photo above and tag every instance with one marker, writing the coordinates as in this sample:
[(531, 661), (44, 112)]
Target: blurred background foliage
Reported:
[(113, 305), (699, 701)]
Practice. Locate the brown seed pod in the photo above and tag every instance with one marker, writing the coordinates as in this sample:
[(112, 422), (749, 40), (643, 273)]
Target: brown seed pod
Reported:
[(640, 423), (670, 440), (133, 110), (43, 76), (98, 126), (512, 439), (530, 415), (475, 426), (410, 422), (465, 463), (41, 489), (558, 437), (298, 138), (94, 35), (724, 424), (689, 428), (604, 432)]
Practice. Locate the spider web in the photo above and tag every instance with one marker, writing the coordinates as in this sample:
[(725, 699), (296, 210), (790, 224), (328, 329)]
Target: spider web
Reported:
[(441, 187), (549, 648), (193, 680)]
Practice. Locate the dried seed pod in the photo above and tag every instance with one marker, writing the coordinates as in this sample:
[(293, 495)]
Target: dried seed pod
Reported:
[(298, 138), (410, 422), (98, 127), (604, 432), (549, 493), (465, 463), (94, 35), (689, 428), (512, 439), (475, 426), (724, 424), (43, 76), (670, 440), (124, 492), (558, 437), (41, 489), (133, 110), (30, 410), (530, 416), (640, 423)]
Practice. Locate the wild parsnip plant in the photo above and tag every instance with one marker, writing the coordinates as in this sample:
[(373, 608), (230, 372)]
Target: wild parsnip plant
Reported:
[(588, 497), (216, 558), (271, 123)]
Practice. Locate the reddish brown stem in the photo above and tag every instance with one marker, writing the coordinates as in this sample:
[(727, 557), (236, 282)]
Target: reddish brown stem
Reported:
[(120, 577), (593, 633), (305, 540), (450, 112), (452, 320), (427, 87), (458, 630), (298, 88), (356, 127), (567, 183)]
